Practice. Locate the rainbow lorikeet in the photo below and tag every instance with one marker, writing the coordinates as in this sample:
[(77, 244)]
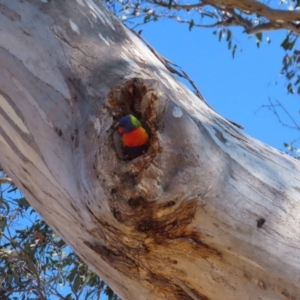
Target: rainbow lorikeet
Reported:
[(135, 137)]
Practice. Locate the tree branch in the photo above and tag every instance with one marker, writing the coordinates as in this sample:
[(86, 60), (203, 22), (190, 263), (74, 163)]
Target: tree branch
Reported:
[(219, 23), (5, 180), (175, 6), (278, 18), (260, 9), (239, 20), (270, 26), (245, 5)]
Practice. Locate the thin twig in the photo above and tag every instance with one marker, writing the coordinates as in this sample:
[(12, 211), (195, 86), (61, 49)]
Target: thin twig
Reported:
[(178, 6), (273, 106)]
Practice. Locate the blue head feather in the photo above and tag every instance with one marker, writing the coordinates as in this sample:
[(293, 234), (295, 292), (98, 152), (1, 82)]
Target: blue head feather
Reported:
[(129, 123)]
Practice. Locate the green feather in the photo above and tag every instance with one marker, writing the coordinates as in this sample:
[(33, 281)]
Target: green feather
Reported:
[(135, 122)]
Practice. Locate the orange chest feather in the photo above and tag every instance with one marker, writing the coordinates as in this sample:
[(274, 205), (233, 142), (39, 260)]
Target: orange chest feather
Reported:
[(135, 138)]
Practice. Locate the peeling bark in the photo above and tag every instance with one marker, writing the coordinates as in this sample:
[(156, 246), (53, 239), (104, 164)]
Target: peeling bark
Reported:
[(206, 213)]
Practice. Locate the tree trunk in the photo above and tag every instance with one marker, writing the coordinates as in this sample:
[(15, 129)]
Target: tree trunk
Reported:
[(206, 213)]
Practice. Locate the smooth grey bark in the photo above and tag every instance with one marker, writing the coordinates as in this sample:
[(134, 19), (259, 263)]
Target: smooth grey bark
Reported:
[(183, 221)]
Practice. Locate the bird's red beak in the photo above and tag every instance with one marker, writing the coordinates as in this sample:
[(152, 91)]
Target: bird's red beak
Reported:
[(121, 129)]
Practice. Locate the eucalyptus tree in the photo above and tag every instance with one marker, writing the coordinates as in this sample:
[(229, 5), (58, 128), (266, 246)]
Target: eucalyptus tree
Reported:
[(206, 213)]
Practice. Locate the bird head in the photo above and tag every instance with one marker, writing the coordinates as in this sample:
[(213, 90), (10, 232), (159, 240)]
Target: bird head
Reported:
[(128, 123)]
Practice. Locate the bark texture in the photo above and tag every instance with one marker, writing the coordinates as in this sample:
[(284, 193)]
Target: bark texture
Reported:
[(207, 213)]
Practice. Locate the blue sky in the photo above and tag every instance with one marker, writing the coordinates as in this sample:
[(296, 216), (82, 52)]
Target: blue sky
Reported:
[(235, 88)]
